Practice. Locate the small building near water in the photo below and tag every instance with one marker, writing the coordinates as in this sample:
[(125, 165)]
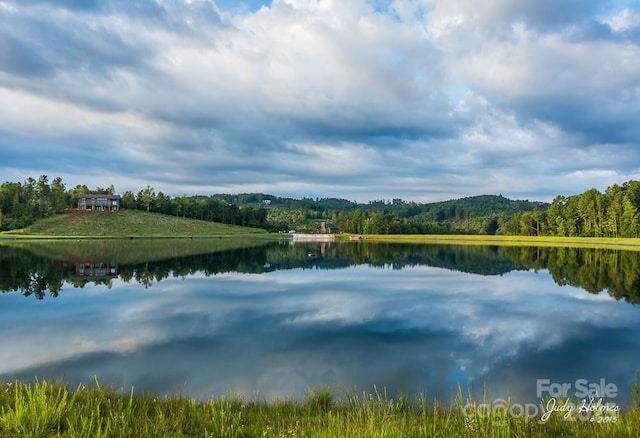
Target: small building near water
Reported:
[(327, 227)]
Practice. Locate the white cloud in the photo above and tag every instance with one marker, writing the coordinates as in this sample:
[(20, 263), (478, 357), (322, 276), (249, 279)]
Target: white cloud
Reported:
[(624, 20)]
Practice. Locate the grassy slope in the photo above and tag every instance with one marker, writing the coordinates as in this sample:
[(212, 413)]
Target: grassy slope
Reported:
[(131, 223)]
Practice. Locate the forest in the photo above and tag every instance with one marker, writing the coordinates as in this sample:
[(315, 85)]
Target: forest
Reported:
[(614, 213)]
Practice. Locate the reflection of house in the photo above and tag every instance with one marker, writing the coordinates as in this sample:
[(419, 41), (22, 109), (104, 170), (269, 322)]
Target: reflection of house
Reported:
[(99, 202), (97, 270)]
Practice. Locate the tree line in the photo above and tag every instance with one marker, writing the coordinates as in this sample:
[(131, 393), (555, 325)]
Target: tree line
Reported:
[(614, 213), (483, 214)]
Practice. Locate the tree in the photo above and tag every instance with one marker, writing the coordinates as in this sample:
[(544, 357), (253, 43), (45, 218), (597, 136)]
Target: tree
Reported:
[(163, 203), (629, 221), (555, 216), (58, 195), (529, 225), (356, 224), (373, 223), (181, 205), (490, 225), (632, 190), (127, 200), (589, 204), (613, 217), (231, 215), (43, 193), (146, 197), (572, 217)]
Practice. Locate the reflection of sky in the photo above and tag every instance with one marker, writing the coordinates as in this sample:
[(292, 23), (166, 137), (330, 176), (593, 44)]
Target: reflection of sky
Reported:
[(277, 334)]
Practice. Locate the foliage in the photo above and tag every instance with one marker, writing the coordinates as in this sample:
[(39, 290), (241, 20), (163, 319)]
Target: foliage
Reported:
[(615, 213), (472, 215)]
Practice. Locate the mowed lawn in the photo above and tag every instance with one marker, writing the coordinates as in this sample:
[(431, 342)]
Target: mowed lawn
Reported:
[(130, 223), (484, 239)]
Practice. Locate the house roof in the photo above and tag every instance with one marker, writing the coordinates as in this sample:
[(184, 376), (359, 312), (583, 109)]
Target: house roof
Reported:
[(98, 195)]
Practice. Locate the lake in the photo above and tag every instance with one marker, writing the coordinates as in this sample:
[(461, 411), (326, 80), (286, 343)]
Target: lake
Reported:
[(271, 319)]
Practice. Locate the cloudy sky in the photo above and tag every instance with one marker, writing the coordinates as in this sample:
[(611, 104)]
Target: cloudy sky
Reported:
[(359, 99)]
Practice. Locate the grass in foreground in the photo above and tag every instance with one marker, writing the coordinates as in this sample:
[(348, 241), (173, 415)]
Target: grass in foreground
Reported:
[(46, 409), (129, 223)]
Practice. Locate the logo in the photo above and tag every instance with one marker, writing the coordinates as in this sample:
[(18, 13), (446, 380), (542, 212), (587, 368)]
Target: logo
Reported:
[(555, 399), (581, 389)]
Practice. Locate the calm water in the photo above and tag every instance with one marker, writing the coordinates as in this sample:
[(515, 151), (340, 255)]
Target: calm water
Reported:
[(271, 319)]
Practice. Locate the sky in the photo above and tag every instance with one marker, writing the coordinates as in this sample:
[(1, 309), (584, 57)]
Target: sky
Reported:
[(424, 100)]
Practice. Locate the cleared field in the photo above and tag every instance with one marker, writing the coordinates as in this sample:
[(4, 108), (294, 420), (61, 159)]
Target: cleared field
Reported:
[(130, 223), (551, 241)]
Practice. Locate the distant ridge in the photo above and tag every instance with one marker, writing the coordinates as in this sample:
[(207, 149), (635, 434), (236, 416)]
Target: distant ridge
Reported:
[(479, 205)]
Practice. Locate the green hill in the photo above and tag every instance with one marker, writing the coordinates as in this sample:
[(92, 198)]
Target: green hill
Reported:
[(453, 209), (475, 206), (129, 223)]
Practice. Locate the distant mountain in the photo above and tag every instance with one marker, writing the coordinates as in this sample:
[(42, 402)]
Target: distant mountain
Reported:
[(317, 204), (451, 210), (476, 206)]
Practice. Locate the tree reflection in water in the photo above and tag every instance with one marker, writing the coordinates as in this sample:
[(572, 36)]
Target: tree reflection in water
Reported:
[(39, 268)]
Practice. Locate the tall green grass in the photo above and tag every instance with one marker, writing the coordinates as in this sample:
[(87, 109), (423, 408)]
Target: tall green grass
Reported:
[(49, 409)]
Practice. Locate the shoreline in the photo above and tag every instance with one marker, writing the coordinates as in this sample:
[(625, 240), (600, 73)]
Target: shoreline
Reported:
[(457, 239), (491, 240), (39, 238)]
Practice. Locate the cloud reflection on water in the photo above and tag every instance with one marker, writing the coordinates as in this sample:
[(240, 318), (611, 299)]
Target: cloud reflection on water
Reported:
[(415, 330)]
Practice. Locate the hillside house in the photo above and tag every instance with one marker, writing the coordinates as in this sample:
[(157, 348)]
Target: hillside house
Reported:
[(99, 202)]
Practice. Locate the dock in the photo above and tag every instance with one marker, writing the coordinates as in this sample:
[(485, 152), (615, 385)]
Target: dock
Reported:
[(304, 237)]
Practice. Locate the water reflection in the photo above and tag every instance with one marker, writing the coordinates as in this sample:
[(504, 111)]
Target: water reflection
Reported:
[(410, 318), (35, 269), (96, 271)]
